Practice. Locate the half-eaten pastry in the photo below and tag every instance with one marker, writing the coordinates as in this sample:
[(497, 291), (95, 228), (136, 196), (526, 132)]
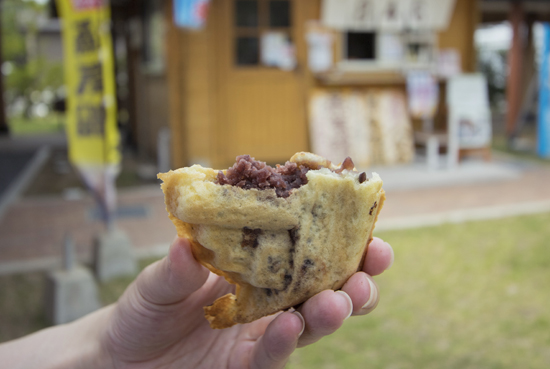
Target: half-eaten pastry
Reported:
[(281, 235)]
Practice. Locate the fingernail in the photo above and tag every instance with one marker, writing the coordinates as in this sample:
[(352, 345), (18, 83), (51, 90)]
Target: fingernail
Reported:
[(392, 256), (303, 321), (350, 303), (373, 294)]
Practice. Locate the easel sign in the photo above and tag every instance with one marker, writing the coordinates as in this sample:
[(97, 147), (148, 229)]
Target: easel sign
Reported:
[(474, 126), (469, 116)]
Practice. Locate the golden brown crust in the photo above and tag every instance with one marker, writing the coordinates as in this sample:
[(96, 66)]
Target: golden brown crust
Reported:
[(278, 251), (379, 208), (222, 313)]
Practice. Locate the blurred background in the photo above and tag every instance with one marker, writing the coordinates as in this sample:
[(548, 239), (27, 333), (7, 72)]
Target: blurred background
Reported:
[(448, 100)]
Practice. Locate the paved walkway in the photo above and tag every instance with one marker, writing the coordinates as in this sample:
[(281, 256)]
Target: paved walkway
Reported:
[(32, 230)]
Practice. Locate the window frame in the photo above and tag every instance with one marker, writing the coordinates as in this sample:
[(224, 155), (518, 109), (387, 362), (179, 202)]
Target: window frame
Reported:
[(262, 28), (376, 64)]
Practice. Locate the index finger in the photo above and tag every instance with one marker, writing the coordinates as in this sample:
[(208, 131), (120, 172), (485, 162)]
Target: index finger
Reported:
[(379, 257)]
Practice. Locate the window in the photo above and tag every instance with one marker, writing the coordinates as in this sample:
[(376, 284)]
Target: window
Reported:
[(246, 13), (361, 46), (248, 50), (255, 23), (375, 50)]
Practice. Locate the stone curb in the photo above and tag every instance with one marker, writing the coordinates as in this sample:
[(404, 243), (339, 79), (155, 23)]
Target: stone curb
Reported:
[(56, 262)]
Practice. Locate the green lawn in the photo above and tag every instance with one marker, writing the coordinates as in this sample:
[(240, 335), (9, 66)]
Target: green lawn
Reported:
[(471, 295), (500, 144), (52, 123), (22, 301)]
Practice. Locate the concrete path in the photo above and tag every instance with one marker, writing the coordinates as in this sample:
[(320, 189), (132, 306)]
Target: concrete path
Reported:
[(32, 230)]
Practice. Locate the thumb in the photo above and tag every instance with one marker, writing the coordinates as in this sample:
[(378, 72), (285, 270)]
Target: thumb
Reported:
[(174, 278)]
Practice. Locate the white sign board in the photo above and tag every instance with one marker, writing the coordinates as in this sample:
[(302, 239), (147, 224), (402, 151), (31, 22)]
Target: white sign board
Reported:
[(422, 93), (469, 111), (388, 15), (320, 51)]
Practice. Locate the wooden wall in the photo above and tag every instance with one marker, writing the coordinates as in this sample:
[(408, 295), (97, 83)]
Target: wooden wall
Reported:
[(191, 80), (195, 79), (460, 34)]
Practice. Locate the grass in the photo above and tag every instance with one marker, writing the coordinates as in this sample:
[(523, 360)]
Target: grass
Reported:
[(22, 301), (500, 144), (52, 123), (472, 295), (462, 296)]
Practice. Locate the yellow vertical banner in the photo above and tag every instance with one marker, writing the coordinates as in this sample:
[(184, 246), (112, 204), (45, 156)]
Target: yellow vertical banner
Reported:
[(90, 82)]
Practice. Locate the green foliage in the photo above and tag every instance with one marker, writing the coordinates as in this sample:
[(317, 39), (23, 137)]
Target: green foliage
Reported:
[(21, 305), (17, 14), (35, 75), (13, 41), (493, 64), (29, 73)]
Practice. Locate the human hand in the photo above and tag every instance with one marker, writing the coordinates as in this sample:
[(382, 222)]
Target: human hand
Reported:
[(159, 321)]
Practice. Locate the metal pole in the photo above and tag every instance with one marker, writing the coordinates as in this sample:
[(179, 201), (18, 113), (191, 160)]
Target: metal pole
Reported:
[(515, 58)]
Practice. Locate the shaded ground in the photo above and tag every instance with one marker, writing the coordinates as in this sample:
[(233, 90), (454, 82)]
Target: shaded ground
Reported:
[(22, 301), (58, 175), (12, 164)]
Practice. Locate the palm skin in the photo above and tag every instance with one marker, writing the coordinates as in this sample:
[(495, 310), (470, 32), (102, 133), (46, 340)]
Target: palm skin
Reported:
[(159, 321)]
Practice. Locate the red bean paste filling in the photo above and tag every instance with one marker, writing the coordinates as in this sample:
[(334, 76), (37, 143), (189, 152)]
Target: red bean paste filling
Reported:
[(248, 173)]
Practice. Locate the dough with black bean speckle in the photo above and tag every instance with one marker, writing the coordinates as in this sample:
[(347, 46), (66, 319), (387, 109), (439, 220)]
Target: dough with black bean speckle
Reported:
[(278, 251)]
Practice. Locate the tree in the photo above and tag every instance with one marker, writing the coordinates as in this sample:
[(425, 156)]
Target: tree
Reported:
[(28, 72)]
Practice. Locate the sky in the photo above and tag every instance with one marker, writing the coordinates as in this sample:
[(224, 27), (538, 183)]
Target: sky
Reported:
[(494, 36)]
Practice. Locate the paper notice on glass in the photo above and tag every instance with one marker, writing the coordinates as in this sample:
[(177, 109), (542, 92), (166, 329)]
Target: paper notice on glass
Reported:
[(448, 63), (277, 51), (422, 93), (320, 55), (391, 48)]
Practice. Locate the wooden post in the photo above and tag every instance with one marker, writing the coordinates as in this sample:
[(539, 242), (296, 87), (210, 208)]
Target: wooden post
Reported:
[(515, 56), (4, 129)]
